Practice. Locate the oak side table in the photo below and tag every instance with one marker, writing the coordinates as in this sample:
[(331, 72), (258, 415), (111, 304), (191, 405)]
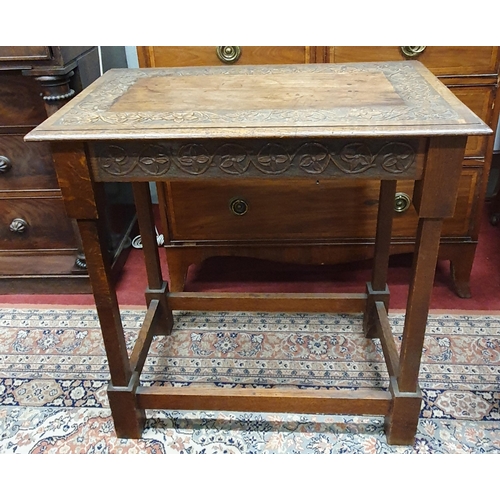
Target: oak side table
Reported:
[(384, 121)]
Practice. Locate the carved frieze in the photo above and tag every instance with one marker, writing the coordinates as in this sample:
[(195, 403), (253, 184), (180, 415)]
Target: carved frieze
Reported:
[(376, 159)]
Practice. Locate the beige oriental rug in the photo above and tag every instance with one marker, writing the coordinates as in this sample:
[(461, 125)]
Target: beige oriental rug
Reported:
[(53, 378)]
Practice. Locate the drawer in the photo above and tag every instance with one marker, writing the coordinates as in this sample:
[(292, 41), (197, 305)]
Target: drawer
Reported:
[(20, 101), (25, 165), (17, 53), (440, 60), (47, 225), (210, 56), (479, 99), (342, 209)]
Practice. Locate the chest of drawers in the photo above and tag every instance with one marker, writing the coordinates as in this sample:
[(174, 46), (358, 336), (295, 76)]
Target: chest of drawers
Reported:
[(40, 249), (233, 218)]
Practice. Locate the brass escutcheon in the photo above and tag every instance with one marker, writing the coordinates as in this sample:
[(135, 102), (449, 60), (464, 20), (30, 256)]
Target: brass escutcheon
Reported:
[(402, 202), (228, 54), (238, 206), (413, 51)]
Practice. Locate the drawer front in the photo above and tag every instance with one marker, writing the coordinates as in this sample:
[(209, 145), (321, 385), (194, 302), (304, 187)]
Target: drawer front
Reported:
[(16, 53), (440, 60), (213, 56), (36, 223), (303, 210), (479, 99), (25, 165), (20, 101)]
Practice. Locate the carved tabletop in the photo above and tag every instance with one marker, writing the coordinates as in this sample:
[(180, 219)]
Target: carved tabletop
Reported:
[(262, 101), (274, 105)]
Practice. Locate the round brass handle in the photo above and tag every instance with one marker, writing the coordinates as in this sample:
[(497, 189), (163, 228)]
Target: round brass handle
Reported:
[(413, 51), (18, 225), (5, 164), (228, 55), (238, 206), (402, 202)]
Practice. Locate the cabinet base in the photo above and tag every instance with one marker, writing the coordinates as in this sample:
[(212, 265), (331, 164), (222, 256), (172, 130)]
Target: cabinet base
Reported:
[(46, 285), (56, 272), (180, 257)]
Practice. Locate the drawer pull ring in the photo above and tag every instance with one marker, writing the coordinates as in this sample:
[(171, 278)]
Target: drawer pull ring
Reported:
[(238, 207), (228, 55), (5, 164), (18, 225), (402, 202), (413, 51)]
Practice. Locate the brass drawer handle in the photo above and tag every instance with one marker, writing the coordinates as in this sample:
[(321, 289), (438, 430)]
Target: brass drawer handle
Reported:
[(238, 206), (402, 202), (413, 51), (228, 55), (18, 225), (5, 164)]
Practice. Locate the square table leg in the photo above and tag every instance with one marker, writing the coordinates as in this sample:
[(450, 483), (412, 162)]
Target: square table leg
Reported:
[(128, 419), (377, 290), (433, 204), (157, 287), (84, 202)]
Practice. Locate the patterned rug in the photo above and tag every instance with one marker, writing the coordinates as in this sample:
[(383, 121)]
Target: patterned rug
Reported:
[(53, 378)]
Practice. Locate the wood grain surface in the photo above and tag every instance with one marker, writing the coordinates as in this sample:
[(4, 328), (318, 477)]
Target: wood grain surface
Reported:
[(310, 100)]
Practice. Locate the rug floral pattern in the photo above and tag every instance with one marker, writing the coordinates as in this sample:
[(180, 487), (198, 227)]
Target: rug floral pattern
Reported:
[(53, 379)]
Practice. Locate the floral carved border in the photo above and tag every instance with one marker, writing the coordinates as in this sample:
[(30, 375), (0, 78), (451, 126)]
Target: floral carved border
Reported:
[(423, 104), (135, 160)]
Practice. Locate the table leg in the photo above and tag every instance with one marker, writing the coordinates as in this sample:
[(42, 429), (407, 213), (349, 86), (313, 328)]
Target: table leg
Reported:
[(157, 287), (377, 290), (433, 203), (401, 424), (84, 202), (128, 419)]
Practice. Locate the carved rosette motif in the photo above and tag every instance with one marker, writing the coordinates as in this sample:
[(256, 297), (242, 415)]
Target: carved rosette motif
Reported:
[(193, 159), (231, 159), (395, 157), (354, 158), (273, 159), (115, 161), (312, 158), (154, 160)]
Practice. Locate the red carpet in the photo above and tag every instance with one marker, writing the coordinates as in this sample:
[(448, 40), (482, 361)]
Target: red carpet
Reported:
[(251, 275)]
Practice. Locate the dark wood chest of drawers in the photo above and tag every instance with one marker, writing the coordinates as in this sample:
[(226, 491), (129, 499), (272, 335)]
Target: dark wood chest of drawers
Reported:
[(40, 249), (333, 223)]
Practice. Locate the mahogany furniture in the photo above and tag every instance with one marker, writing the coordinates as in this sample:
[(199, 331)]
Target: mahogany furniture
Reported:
[(40, 248), (494, 208), (264, 125), (265, 231)]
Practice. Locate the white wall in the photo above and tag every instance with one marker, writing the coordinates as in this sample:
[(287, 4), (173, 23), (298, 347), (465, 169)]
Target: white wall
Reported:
[(131, 54)]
